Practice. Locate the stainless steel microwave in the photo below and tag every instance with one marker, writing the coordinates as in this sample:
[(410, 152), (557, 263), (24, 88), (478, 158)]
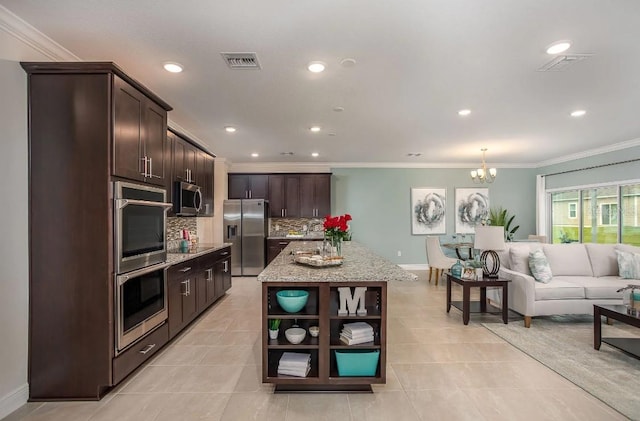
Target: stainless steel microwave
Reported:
[(187, 199)]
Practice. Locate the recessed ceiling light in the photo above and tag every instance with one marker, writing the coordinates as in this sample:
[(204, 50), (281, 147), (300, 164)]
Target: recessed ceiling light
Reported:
[(558, 47), (314, 129), (348, 62), (255, 155), (173, 67), (338, 109), (230, 129), (414, 154), (464, 112), (331, 134), (315, 154), (286, 153), (316, 66), (578, 113)]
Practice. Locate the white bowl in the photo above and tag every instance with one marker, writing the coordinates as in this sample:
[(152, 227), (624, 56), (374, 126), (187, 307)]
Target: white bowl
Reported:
[(314, 331), (295, 335)]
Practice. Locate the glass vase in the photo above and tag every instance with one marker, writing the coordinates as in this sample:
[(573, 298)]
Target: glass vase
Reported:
[(336, 244)]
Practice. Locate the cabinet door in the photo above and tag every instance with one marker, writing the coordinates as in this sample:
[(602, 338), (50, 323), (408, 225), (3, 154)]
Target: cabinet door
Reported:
[(201, 291), (258, 186), (323, 195), (218, 279), (189, 300), (307, 196), (128, 133), (155, 142), (204, 167), (190, 157), (238, 186), (175, 307), (292, 196), (179, 168), (276, 196)]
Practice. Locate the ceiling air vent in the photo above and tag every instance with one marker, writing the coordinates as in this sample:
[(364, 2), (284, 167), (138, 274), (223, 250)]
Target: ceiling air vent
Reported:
[(562, 62), (241, 60)]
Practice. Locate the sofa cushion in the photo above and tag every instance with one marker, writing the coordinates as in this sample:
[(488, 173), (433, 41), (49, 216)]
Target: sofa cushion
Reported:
[(539, 266), (604, 261), (628, 264), (558, 289), (600, 288), (568, 259), (520, 259)]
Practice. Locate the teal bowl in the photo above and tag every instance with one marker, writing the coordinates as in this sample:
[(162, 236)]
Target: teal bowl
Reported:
[(292, 300)]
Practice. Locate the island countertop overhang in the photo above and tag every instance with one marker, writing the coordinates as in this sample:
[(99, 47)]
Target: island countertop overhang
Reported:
[(360, 265)]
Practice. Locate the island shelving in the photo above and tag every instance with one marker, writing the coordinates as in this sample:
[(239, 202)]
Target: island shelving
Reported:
[(361, 268)]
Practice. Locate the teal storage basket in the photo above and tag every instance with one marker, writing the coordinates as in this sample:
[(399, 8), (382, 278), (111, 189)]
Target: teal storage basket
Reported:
[(357, 362)]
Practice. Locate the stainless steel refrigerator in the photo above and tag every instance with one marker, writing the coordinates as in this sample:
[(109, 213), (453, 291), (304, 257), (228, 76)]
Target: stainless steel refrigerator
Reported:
[(246, 228)]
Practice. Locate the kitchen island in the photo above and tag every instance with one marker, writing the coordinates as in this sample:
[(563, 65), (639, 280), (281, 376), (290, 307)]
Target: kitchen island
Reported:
[(330, 290)]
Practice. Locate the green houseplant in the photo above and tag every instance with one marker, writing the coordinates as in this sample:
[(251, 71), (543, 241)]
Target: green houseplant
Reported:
[(500, 217), (274, 328)]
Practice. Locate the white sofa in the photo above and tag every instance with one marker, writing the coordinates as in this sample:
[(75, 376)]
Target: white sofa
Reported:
[(583, 275)]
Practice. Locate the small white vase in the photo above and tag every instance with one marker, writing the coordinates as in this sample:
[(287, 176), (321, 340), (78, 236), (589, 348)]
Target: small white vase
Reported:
[(479, 274), (273, 334)]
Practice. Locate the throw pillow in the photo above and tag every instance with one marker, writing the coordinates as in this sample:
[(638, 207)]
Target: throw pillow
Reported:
[(628, 264), (539, 266)]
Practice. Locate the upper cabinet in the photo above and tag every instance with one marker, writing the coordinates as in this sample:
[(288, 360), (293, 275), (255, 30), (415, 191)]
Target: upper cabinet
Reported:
[(315, 195), (139, 128), (248, 186), (193, 165), (284, 195)]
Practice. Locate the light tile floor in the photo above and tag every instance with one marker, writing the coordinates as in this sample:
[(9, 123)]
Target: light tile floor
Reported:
[(438, 369)]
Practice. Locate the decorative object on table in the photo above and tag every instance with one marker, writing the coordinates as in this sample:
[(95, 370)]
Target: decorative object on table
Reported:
[(428, 207), (355, 363), (318, 261), (274, 328), (456, 269), (476, 265), (352, 304), (295, 364), (489, 239), (483, 174), (472, 209), (336, 229), (295, 335), (469, 274), (314, 331), (500, 217), (631, 298), (356, 333), (292, 300)]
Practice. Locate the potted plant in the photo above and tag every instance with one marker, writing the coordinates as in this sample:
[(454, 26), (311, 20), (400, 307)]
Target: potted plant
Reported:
[(500, 217), (274, 328)]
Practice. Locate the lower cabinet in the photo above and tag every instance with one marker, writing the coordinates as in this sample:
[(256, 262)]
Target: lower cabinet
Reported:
[(194, 285), (130, 359), (274, 247)]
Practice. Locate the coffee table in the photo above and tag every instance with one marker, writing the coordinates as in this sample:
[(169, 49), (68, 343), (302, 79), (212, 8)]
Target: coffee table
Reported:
[(619, 313), (467, 306)]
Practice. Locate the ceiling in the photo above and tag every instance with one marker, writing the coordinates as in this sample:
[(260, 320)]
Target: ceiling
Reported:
[(417, 63)]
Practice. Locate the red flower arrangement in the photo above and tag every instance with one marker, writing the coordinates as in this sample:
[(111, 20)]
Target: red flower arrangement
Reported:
[(336, 228)]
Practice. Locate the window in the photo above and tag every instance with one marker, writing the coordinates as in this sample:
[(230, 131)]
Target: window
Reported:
[(608, 213), (564, 228), (573, 210)]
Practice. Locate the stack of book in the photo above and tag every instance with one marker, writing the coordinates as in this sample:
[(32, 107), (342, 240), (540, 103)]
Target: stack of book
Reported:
[(356, 333), (294, 364)]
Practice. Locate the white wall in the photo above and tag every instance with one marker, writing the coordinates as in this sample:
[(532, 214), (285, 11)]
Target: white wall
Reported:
[(14, 253)]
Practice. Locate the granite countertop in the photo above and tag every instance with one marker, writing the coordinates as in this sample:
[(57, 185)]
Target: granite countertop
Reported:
[(308, 237), (176, 256), (360, 265)]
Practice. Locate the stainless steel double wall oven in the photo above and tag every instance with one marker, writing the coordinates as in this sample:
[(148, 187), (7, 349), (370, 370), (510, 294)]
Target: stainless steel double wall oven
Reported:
[(140, 241)]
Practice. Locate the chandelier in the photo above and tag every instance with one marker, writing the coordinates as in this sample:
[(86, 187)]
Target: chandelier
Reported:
[(483, 174)]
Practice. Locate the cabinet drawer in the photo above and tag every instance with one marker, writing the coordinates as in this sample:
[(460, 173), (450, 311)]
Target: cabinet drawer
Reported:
[(132, 358), (180, 270), (223, 253)]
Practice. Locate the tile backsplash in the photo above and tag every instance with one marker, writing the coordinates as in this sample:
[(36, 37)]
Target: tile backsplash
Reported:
[(281, 226), (175, 225)]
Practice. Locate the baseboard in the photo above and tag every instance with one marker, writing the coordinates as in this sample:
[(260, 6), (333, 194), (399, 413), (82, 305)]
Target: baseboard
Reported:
[(14, 400), (415, 266)]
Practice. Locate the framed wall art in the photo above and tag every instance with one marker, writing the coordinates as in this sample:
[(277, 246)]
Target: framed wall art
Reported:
[(428, 208), (472, 207)]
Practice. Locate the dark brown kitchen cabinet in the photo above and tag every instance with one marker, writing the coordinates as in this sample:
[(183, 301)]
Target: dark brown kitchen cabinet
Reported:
[(184, 160), (75, 111), (248, 186), (274, 247), (139, 136), (204, 174), (183, 304), (284, 195), (315, 195)]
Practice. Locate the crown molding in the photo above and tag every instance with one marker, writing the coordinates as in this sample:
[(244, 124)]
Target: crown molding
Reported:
[(30, 36), (591, 152)]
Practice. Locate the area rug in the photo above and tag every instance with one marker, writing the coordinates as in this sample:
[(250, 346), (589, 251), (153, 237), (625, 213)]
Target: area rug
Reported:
[(565, 345)]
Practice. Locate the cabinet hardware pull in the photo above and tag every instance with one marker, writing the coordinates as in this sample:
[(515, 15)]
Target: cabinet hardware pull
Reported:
[(224, 254), (185, 270), (283, 243), (144, 171), (250, 194), (186, 288), (226, 267), (147, 348), (209, 275), (150, 167)]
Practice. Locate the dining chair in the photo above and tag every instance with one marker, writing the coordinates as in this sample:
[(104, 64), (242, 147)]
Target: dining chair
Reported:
[(436, 257)]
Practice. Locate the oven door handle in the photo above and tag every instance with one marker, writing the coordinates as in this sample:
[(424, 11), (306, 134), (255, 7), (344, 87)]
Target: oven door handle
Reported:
[(121, 203), (121, 279)]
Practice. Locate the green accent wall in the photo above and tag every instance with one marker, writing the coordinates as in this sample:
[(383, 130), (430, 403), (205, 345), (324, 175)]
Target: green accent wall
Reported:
[(379, 200)]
